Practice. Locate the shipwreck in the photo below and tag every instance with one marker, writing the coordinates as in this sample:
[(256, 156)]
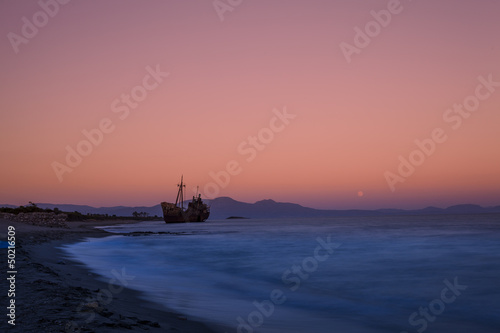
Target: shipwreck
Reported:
[(196, 210)]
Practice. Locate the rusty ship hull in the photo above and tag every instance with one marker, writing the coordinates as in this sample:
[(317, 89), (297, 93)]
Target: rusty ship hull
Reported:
[(174, 214)]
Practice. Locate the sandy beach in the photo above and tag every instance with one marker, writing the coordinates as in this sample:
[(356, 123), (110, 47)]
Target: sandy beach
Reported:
[(54, 294)]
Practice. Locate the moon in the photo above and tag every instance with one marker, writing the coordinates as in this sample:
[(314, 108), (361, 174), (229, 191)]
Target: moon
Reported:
[(360, 194)]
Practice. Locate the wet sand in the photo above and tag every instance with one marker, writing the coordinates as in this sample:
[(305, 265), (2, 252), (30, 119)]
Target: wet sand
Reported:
[(54, 294)]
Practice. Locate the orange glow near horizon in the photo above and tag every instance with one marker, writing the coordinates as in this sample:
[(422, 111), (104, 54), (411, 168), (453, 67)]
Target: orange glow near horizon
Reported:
[(228, 81)]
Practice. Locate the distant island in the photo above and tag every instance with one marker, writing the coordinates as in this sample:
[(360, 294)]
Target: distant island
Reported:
[(225, 207)]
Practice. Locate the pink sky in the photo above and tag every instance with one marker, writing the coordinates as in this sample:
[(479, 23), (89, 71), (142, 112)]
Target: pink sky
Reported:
[(352, 120)]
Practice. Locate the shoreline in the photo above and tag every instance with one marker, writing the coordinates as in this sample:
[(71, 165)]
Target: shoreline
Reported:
[(57, 294)]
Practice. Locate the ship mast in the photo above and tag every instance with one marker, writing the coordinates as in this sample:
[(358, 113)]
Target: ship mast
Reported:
[(180, 193)]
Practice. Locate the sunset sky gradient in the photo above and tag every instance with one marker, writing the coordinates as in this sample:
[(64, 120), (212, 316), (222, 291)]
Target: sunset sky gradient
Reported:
[(353, 120)]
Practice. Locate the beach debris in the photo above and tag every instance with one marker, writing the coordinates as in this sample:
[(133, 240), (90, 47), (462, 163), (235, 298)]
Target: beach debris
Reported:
[(92, 305)]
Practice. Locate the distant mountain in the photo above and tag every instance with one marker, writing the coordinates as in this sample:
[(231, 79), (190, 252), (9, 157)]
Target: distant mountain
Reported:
[(223, 207), (459, 209), (9, 206)]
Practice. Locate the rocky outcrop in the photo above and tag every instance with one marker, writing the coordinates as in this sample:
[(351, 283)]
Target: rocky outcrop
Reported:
[(41, 219)]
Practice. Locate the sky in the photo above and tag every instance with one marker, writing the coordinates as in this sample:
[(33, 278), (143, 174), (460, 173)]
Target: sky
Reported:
[(334, 104)]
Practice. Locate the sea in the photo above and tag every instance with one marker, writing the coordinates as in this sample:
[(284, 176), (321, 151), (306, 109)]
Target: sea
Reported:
[(401, 274)]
